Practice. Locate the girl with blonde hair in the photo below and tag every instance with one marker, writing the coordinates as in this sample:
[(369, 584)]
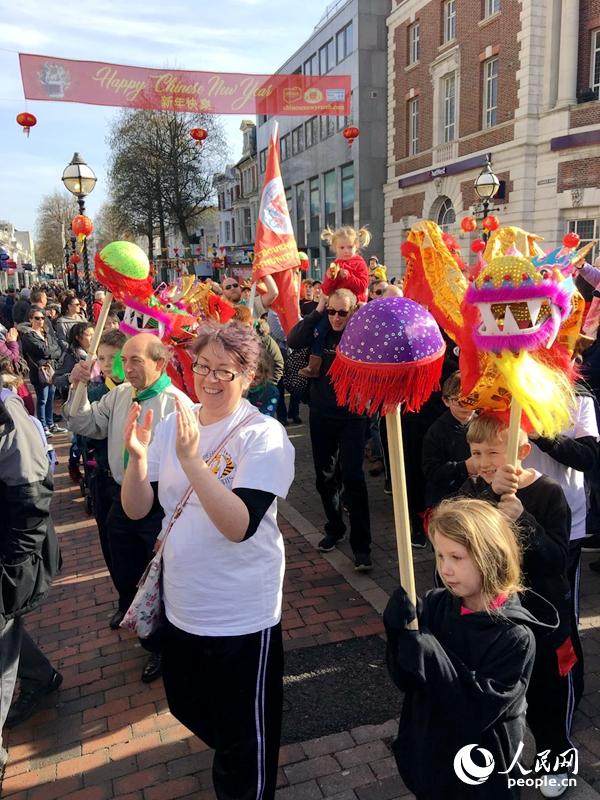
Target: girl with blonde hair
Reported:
[(466, 670)]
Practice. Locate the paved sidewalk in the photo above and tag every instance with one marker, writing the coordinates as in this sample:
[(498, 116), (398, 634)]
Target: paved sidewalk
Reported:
[(106, 735)]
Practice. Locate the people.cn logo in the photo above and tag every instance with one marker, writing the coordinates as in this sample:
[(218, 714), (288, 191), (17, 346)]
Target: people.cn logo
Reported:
[(470, 772)]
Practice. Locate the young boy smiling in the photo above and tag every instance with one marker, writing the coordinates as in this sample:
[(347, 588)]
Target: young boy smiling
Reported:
[(538, 506)]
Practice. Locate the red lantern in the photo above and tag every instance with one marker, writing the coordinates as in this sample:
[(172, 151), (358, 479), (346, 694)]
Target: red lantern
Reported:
[(27, 121), (350, 133), (571, 239), (478, 246), (75, 258), (468, 224), (491, 223), (82, 226), (199, 135)]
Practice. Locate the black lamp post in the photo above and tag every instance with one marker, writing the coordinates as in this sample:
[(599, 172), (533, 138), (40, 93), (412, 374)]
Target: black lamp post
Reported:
[(486, 186), (80, 180), (75, 267)]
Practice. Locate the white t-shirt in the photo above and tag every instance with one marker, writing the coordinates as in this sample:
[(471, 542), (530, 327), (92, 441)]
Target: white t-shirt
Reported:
[(212, 586), (570, 480)]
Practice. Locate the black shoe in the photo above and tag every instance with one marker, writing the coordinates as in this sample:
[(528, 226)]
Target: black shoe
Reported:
[(153, 668), (28, 701), (296, 420), (387, 487), (419, 541), (116, 620), (595, 566), (591, 544), (329, 543), (362, 562)]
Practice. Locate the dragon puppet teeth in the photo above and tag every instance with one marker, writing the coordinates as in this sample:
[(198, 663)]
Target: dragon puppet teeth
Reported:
[(556, 323), (508, 325), (534, 307)]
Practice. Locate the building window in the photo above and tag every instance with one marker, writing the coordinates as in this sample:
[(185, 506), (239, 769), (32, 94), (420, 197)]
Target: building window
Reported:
[(297, 140), (446, 216), (344, 42), (247, 226), (288, 199), (262, 160), (414, 43), (326, 57), (227, 230), (587, 229), (347, 194), (262, 119), (413, 126), (311, 65), (327, 126), (330, 198), (596, 63), (311, 132), (284, 147), (300, 214), (490, 92), (315, 204), (342, 122), (491, 7), (449, 86), (449, 27)]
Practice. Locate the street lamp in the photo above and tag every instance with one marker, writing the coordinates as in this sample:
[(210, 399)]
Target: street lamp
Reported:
[(486, 185), (80, 180)]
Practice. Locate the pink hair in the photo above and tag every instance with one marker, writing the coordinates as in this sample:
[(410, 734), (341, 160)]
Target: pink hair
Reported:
[(236, 339)]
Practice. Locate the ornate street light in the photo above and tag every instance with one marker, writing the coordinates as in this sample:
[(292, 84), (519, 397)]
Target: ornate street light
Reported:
[(486, 185), (79, 179)]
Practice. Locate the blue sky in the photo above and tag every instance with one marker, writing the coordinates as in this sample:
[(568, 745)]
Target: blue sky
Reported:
[(254, 36)]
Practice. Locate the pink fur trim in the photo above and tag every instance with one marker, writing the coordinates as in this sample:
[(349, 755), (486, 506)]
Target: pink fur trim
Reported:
[(515, 341)]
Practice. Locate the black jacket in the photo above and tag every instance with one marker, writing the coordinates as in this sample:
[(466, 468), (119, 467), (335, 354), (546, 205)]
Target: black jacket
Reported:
[(29, 552), (445, 451), (545, 527), (36, 349), (321, 396), (464, 679)]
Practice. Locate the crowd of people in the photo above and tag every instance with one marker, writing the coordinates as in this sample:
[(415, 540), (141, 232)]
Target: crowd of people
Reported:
[(498, 643)]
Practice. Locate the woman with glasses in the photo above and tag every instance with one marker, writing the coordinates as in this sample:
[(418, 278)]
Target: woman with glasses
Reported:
[(41, 349), (70, 314), (223, 559), (338, 436)]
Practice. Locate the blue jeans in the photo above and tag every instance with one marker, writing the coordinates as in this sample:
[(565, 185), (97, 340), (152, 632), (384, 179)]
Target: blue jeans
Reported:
[(45, 405)]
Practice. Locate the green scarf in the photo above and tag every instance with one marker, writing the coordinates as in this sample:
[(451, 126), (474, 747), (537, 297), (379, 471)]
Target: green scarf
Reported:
[(146, 394)]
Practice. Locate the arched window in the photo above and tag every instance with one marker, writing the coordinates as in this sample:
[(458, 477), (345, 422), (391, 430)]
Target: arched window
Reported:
[(446, 216)]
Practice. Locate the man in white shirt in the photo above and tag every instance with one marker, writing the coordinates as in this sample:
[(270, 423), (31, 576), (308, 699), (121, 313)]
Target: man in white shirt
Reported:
[(145, 359)]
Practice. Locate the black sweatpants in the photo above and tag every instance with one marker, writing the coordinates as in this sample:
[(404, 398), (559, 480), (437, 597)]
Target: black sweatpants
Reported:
[(574, 576), (228, 690), (338, 447), (103, 490), (550, 704), (131, 544)]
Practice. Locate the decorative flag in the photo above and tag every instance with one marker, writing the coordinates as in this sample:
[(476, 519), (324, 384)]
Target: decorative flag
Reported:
[(275, 249)]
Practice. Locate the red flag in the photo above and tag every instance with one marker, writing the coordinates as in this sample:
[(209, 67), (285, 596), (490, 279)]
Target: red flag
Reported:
[(275, 250)]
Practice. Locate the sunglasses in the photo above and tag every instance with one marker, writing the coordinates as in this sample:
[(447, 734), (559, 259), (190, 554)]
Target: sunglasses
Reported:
[(231, 286), (38, 318), (340, 312)]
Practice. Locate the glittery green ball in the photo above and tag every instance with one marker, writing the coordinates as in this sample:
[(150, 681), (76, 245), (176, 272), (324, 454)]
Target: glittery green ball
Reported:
[(127, 259)]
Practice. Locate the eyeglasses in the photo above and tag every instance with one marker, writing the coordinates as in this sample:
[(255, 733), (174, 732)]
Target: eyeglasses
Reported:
[(220, 374), (38, 318), (340, 312), (231, 286), (458, 402)]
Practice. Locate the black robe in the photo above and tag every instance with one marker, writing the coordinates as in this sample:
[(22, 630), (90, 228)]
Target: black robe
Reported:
[(464, 679)]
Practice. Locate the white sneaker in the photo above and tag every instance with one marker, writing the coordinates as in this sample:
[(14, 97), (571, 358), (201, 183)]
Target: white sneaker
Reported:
[(556, 785)]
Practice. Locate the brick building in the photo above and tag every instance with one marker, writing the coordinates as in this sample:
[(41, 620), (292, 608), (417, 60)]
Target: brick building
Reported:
[(518, 81)]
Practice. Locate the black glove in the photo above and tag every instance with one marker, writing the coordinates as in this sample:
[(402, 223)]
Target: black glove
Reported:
[(399, 611)]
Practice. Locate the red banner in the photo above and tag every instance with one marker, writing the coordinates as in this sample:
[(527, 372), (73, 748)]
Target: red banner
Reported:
[(97, 83), (275, 249)]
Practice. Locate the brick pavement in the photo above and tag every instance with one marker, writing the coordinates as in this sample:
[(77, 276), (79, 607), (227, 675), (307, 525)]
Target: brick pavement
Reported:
[(107, 735)]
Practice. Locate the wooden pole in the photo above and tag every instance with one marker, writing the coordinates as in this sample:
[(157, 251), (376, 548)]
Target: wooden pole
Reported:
[(401, 517), (514, 428), (81, 388)]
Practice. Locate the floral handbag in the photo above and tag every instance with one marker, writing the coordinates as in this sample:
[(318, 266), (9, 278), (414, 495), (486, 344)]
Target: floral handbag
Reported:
[(145, 616)]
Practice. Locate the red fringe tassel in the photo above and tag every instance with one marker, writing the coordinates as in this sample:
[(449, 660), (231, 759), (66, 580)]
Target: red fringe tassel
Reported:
[(373, 387)]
